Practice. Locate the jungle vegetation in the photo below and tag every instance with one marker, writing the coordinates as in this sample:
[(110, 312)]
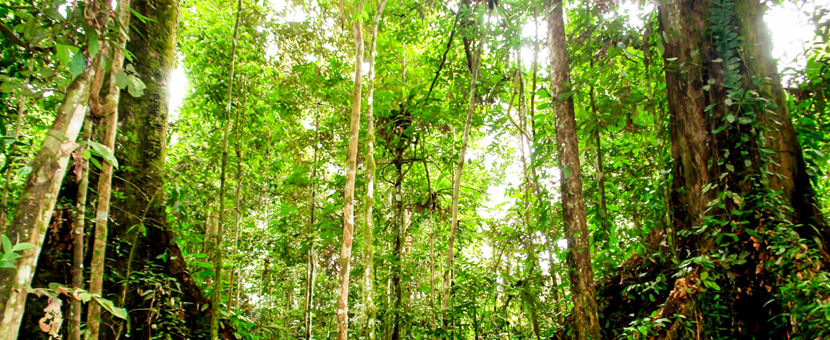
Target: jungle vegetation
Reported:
[(412, 169)]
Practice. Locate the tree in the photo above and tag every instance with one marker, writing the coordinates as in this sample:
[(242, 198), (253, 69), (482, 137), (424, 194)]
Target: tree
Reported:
[(459, 169), (219, 238), (586, 322), (110, 111), (138, 210), (368, 238), (37, 200), (351, 169)]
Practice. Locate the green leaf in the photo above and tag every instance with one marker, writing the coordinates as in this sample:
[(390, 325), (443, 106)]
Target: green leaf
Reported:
[(84, 296), (23, 171), (140, 17), (110, 307), (136, 87), (122, 79), (29, 28), (7, 244), (93, 45), (63, 52), (11, 256), (102, 151), (77, 64), (23, 246)]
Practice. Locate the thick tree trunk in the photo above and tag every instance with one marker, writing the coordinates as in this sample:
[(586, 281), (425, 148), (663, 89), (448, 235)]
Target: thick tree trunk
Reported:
[(368, 237), (713, 53), (710, 160), (37, 201), (140, 219), (586, 323), (348, 199)]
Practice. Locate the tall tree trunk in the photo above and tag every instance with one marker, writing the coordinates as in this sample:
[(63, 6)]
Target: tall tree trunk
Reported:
[(708, 125), (586, 322), (37, 201), (237, 208), (368, 237), (78, 239), (348, 199), (218, 246), (139, 219), (311, 273), (105, 178), (456, 190), (399, 230)]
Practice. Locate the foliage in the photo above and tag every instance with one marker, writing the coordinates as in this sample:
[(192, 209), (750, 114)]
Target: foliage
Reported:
[(289, 131)]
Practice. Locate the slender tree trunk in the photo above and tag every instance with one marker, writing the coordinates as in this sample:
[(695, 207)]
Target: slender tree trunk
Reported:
[(368, 237), (602, 211), (586, 321), (237, 212), (105, 178), (231, 300), (456, 191), (37, 201), (311, 273), (348, 199), (78, 240), (398, 225), (218, 251)]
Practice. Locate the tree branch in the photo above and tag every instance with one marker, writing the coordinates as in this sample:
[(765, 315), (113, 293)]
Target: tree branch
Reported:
[(13, 37)]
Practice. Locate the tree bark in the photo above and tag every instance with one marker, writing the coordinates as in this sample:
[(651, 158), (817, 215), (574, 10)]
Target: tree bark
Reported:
[(218, 245), (140, 219), (237, 208), (78, 239), (456, 191), (37, 201), (368, 237), (311, 273), (586, 324), (348, 199), (105, 178)]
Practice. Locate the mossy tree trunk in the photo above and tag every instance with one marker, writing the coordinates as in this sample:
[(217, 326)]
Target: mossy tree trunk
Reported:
[(140, 221), (737, 170)]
